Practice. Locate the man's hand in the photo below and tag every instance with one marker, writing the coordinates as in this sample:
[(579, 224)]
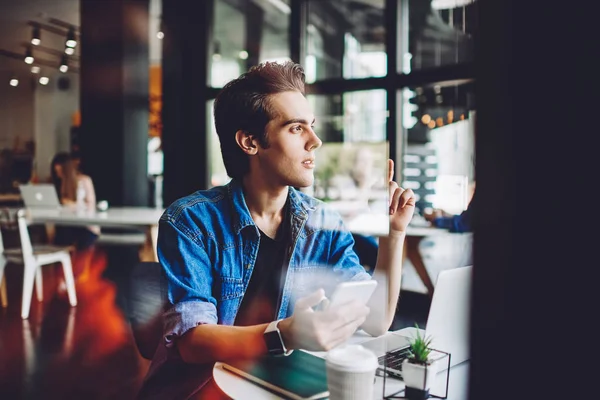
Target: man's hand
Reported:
[(436, 213), (402, 203), (321, 330)]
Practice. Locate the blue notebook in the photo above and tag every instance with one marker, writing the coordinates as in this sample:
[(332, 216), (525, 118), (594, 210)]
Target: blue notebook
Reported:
[(299, 376)]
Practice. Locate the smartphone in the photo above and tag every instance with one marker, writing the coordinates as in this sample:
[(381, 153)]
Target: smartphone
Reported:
[(347, 291)]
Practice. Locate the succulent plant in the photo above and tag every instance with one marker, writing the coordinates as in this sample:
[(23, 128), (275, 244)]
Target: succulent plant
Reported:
[(419, 348)]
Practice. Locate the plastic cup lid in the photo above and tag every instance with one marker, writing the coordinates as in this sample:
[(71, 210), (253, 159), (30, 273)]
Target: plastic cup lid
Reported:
[(352, 358)]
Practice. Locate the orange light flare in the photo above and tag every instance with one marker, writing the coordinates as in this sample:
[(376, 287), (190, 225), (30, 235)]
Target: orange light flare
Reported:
[(100, 325)]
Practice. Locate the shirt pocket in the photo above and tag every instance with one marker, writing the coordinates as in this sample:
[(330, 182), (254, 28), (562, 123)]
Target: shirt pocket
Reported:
[(231, 288), (311, 277)]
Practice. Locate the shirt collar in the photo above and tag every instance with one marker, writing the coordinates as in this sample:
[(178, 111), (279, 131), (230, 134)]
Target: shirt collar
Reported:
[(300, 205)]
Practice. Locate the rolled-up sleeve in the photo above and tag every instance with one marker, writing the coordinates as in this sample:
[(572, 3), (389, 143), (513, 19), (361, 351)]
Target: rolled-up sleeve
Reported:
[(187, 268)]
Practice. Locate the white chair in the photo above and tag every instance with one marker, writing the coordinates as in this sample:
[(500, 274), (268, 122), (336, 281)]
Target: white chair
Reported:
[(33, 258)]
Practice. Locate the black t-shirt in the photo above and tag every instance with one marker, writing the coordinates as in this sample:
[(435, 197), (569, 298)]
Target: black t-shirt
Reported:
[(261, 300)]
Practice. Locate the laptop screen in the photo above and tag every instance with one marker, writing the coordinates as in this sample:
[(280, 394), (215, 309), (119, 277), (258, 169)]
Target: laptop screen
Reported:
[(39, 196)]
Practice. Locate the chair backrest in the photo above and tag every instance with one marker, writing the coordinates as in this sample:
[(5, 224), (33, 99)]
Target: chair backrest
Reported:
[(146, 298), (26, 246)]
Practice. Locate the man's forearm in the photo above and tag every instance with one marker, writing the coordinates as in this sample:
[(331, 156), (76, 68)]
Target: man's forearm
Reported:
[(211, 343), (388, 274)]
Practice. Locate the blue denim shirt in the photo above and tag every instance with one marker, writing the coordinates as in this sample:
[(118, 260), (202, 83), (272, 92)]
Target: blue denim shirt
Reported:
[(208, 244)]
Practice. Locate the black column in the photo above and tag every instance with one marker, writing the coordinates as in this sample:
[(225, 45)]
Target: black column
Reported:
[(187, 26), (534, 270), (255, 17), (114, 99)]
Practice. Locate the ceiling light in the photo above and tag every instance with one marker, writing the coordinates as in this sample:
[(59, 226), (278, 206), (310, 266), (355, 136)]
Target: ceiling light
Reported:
[(14, 82), (44, 80), (64, 65), (28, 56), (161, 31), (69, 50), (71, 41), (35, 36), (35, 69), (243, 55)]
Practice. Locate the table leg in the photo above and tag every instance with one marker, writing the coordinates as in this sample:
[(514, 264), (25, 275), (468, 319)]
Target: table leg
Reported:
[(414, 255)]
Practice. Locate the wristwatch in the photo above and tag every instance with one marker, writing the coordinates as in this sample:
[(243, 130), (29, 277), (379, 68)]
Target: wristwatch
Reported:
[(274, 341)]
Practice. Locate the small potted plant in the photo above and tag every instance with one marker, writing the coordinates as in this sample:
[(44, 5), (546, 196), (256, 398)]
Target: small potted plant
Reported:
[(418, 370)]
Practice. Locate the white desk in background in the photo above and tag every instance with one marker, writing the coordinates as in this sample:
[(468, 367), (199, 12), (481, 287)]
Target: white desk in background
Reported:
[(142, 218), (372, 224), (239, 388)]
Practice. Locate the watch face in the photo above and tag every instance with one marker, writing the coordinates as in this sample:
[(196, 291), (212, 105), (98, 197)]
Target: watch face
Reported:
[(273, 342)]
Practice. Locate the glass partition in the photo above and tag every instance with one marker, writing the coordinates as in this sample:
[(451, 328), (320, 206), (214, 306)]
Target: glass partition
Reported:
[(439, 159), (351, 166)]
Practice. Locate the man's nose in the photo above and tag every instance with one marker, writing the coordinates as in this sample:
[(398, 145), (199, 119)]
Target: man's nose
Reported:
[(314, 142)]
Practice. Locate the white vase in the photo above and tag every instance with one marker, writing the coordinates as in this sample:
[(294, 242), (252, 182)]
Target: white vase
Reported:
[(417, 376)]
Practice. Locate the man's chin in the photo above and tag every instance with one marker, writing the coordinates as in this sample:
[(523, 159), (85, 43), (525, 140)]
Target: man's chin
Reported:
[(304, 183)]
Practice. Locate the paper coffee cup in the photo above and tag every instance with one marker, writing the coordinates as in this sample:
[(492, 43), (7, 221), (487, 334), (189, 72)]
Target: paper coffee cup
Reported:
[(351, 373)]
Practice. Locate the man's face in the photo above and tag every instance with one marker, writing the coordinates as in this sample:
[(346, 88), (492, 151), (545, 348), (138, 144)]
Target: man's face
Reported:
[(290, 158)]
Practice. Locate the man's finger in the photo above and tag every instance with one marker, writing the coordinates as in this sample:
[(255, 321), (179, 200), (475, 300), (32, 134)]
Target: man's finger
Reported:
[(407, 197), (395, 200), (390, 170)]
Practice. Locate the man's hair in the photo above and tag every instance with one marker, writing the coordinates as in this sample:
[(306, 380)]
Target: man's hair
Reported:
[(244, 104)]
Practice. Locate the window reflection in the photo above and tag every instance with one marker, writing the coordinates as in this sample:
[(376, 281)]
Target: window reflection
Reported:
[(439, 157), (350, 117), (245, 34), (351, 166)]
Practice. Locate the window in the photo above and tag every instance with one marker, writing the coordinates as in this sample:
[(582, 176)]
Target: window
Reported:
[(246, 33), (345, 39)]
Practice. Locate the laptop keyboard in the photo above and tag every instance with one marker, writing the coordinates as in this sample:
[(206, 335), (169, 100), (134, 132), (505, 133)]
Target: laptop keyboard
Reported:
[(391, 362)]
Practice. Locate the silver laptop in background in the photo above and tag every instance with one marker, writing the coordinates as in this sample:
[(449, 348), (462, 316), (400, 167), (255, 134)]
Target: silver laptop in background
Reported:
[(448, 323), (41, 195)]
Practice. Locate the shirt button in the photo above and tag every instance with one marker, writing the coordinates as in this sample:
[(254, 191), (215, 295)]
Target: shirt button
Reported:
[(248, 266)]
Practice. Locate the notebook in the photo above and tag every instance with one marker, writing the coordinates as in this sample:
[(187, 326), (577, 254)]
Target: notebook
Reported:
[(299, 376), (39, 196)]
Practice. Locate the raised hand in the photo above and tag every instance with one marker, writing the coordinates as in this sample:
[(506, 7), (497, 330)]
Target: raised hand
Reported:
[(402, 203)]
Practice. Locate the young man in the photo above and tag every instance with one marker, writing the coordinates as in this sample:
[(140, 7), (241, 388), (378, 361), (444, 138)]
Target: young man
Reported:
[(252, 257)]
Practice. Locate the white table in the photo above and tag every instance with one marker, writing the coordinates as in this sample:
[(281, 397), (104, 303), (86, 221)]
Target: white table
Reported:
[(240, 388), (143, 218), (377, 224)]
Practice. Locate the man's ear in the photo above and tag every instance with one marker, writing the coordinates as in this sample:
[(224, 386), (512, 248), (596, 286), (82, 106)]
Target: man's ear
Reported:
[(246, 142)]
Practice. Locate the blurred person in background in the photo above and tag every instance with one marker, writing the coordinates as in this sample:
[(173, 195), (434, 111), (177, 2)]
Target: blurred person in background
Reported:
[(455, 223), (75, 190)]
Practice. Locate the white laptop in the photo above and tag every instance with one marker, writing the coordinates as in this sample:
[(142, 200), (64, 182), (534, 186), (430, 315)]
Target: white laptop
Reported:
[(40, 196), (447, 323)]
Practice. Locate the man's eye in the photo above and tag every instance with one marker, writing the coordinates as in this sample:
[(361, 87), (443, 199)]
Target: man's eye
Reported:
[(297, 128)]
